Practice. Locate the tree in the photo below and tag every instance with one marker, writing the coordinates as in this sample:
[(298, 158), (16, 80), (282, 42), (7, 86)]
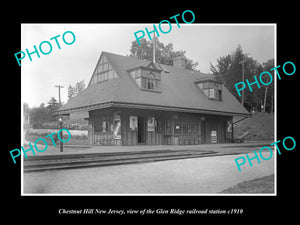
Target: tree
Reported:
[(26, 108), (53, 104), (269, 89), (70, 92), (222, 67), (164, 54), (44, 114), (39, 115), (228, 69), (78, 87)]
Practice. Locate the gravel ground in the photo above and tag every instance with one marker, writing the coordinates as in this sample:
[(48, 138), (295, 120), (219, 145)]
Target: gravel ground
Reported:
[(186, 176)]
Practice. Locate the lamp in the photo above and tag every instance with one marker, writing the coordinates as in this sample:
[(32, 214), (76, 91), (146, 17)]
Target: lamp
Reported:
[(60, 121)]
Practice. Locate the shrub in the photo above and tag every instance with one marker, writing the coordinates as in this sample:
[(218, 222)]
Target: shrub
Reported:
[(55, 125)]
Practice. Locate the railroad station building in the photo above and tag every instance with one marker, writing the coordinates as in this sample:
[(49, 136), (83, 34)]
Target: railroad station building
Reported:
[(130, 102)]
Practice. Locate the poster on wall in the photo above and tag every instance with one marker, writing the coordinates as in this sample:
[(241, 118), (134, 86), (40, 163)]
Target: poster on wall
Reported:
[(229, 126), (117, 126), (213, 136), (103, 126), (150, 124), (133, 123)]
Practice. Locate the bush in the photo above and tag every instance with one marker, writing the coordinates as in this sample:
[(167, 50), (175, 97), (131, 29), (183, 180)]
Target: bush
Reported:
[(77, 137), (55, 125), (37, 125)]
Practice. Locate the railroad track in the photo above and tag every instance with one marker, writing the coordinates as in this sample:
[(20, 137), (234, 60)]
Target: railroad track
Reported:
[(70, 161)]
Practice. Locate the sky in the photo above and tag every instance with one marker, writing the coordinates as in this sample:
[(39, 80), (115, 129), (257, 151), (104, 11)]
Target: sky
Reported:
[(203, 43)]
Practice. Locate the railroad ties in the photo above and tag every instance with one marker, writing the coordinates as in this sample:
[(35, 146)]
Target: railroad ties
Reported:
[(71, 161)]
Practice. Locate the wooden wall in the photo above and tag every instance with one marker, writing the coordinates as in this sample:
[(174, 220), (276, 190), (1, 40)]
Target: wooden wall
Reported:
[(131, 137), (201, 126), (218, 124), (128, 137)]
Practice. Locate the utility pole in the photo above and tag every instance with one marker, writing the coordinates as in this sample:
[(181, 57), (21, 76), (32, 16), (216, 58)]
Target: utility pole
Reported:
[(59, 87), (243, 78), (153, 42), (266, 93)]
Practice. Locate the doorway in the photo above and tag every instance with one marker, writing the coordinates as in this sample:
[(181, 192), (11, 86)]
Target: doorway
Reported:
[(141, 130)]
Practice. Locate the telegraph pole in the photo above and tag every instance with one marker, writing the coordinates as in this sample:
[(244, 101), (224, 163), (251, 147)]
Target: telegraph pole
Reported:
[(59, 87)]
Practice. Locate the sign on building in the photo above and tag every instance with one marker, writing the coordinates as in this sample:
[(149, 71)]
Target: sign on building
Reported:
[(133, 123), (117, 126), (213, 136), (150, 124)]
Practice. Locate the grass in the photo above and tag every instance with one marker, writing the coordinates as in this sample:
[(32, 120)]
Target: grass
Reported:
[(258, 186), (260, 125)]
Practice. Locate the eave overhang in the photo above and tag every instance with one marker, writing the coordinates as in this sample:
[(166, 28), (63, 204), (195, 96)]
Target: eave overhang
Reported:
[(148, 106)]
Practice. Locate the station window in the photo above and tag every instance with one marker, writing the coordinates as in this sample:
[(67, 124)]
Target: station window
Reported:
[(102, 124), (147, 78), (186, 128), (149, 82), (177, 128)]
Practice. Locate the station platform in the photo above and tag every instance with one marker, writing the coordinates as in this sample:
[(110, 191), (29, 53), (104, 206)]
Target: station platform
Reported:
[(230, 148)]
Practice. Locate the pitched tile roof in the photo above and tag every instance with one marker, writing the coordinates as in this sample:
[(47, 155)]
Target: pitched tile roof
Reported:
[(178, 91)]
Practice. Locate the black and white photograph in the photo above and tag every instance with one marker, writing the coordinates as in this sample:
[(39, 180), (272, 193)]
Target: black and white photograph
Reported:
[(134, 110), (150, 112)]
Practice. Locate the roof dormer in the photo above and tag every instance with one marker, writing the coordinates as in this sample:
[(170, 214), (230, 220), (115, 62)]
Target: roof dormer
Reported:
[(210, 87), (148, 78)]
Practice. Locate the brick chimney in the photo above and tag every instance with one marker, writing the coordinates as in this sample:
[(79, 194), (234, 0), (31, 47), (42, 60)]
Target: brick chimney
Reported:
[(179, 62)]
